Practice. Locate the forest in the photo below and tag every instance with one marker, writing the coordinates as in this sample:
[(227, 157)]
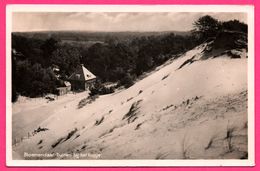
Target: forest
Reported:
[(115, 57)]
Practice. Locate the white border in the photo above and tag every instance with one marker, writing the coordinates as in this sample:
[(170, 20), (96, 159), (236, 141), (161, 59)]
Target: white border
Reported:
[(132, 8)]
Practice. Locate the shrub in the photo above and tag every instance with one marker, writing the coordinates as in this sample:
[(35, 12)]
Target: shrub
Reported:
[(100, 89), (86, 101), (127, 81), (98, 122), (131, 115), (235, 25)]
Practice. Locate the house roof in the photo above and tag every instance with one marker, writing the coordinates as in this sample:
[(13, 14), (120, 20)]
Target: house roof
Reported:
[(82, 73)]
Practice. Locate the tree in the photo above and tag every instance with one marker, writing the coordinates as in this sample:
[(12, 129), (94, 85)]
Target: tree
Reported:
[(206, 27), (14, 90), (234, 25), (32, 80), (67, 58), (23, 77), (48, 47)]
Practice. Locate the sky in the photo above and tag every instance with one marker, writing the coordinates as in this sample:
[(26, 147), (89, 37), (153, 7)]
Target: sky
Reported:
[(112, 21)]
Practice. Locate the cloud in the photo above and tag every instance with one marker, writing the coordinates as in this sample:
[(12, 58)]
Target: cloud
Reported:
[(113, 21)]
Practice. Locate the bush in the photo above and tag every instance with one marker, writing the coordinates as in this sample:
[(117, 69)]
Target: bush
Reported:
[(234, 25), (100, 89), (85, 101), (127, 81)]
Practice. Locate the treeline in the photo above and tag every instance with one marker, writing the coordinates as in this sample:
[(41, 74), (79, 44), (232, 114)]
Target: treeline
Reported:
[(92, 36), (115, 60)]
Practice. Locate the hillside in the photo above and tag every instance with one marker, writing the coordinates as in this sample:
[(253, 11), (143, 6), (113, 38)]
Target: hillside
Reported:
[(192, 107)]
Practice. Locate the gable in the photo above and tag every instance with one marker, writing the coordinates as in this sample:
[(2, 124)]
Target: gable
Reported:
[(82, 74)]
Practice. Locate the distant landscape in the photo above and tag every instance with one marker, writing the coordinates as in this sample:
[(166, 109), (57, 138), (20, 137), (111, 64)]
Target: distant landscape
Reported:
[(156, 95), (93, 36)]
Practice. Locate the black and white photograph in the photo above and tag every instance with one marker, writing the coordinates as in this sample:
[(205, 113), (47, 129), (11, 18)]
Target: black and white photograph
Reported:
[(131, 84)]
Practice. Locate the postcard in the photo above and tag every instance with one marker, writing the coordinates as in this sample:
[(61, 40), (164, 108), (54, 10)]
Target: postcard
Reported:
[(130, 85)]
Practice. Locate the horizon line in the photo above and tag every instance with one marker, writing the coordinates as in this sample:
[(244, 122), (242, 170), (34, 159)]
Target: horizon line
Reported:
[(133, 31)]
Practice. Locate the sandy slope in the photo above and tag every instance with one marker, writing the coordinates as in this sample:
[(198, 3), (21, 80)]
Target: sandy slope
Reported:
[(197, 111)]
